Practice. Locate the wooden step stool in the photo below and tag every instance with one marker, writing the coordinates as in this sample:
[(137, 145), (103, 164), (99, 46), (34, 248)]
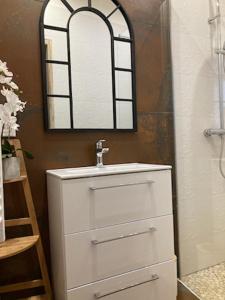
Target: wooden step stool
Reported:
[(15, 246)]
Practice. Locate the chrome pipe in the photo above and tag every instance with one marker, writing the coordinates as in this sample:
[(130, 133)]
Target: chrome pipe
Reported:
[(220, 51), (211, 132), (211, 20), (220, 64)]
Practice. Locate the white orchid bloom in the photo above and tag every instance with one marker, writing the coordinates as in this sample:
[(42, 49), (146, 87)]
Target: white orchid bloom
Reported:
[(7, 120), (15, 104), (5, 113), (5, 80), (9, 82), (4, 69), (13, 85)]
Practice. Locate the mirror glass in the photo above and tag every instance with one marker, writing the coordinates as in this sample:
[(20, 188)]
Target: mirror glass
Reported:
[(123, 85), (56, 14), (123, 55), (57, 80), (93, 106), (124, 113), (119, 25), (56, 45), (104, 6), (59, 112), (88, 65), (76, 4)]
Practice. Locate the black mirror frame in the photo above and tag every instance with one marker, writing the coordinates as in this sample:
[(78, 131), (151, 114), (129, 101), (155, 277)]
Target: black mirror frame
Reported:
[(44, 61)]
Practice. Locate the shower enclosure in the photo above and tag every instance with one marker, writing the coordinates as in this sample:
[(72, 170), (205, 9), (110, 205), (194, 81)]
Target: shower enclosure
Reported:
[(198, 53)]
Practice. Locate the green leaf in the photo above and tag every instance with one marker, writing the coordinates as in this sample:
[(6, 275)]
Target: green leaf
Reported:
[(7, 148), (27, 153)]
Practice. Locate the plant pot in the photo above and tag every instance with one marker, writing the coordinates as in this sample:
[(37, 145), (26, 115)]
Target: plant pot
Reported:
[(11, 168)]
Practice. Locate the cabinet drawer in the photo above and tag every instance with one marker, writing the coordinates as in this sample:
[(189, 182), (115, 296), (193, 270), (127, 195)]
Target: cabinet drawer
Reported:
[(156, 282), (97, 202), (102, 253)]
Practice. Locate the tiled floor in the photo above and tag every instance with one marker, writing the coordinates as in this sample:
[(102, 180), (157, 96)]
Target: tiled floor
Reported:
[(208, 284)]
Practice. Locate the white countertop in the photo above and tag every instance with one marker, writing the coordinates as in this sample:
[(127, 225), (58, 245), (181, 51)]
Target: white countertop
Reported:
[(94, 171)]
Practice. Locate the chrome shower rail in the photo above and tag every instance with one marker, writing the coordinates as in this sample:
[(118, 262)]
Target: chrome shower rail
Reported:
[(220, 51)]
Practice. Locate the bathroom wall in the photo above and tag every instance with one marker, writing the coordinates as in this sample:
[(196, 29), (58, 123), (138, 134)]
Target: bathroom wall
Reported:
[(153, 143), (201, 189)]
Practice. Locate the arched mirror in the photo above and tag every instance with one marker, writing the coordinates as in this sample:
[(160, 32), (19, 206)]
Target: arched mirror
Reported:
[(88, 66)]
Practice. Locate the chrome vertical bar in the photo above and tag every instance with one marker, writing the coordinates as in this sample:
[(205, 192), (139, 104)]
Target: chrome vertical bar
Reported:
[(220, 52), (220, 63)]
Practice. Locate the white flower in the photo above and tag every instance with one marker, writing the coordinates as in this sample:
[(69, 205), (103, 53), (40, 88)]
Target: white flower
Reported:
[(4, 69), (13, 85), (7, 120), (5, 80), (15, 104), (9, 82)]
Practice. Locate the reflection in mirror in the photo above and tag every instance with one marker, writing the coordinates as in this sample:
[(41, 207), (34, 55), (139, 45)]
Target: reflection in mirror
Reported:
[(123, 85), (56, 14), (92, 106), (57, 80), (59, 116), (88, 65), (122, 55), (76, 4), (124, 113), (119, 25), (56, 45), (104, 6)]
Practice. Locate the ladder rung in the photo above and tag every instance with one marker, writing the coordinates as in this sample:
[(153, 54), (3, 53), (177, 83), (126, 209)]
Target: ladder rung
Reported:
[(21, 286), (15, 246), (21, 178), (18, 222)]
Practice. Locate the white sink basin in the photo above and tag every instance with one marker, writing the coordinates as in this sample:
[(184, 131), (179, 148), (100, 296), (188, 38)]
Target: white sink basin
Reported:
[(106, 170)]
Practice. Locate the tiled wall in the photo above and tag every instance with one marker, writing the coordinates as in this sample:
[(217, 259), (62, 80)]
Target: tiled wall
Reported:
[(201, 188)]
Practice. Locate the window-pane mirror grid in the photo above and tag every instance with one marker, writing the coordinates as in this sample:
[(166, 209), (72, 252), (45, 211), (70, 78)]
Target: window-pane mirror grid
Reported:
[(59, 66)]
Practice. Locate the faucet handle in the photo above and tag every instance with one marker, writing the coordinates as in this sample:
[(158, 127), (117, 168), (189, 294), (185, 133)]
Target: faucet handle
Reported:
[(99, 144)]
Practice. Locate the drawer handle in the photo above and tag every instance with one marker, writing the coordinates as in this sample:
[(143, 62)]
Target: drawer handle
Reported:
[(95, 188), (99, 295), (97, 242)]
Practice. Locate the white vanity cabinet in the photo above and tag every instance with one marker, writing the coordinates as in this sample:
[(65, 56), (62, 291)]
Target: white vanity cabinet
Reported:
[(111, 233)]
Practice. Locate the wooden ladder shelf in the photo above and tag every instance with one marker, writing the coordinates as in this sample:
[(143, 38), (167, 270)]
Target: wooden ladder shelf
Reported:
[(15, 246)]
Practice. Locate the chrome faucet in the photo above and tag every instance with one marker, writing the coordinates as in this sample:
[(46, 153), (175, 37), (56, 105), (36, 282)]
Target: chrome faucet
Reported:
[(99, 152)]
